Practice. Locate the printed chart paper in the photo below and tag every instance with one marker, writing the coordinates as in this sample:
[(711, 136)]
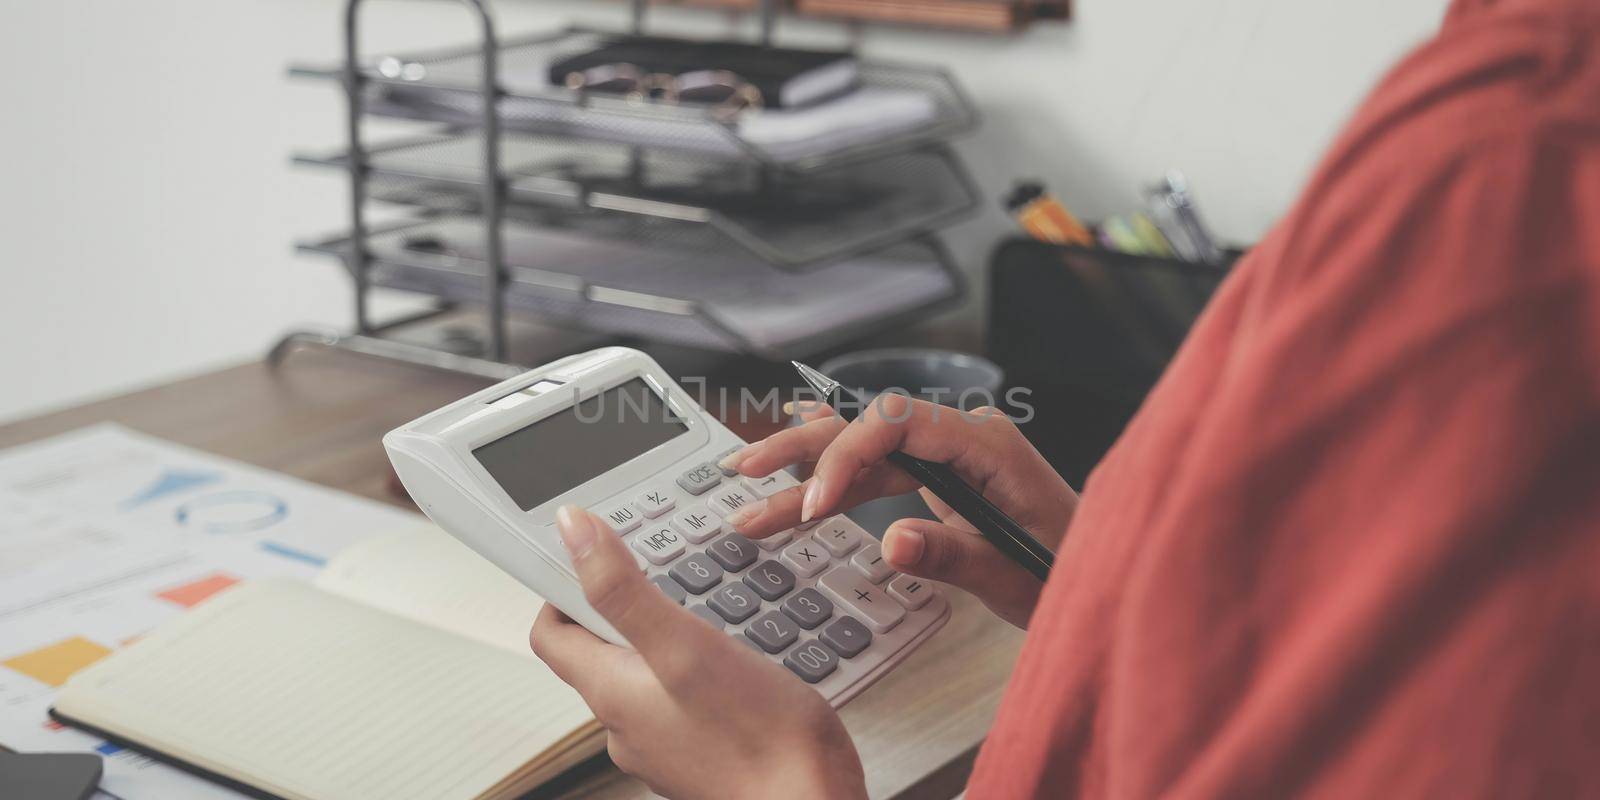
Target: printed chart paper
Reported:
[(106, 533)]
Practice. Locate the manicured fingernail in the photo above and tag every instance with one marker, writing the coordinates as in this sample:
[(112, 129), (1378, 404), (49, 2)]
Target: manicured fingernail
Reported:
[(903, 546), (808, 504), (745, 513), (788, 408), (577, 533), (731, 460)]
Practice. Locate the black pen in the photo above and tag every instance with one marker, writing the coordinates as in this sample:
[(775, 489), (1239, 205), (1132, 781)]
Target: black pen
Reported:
[(995, 525)]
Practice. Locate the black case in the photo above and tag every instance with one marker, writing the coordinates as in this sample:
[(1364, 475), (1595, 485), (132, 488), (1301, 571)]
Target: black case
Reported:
[(1088, 331)]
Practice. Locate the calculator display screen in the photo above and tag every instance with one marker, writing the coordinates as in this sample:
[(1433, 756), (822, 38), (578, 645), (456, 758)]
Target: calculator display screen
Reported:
[(568, 448)]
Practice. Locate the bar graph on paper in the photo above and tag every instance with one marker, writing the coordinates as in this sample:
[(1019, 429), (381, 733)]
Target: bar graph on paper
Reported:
[(105, 534)]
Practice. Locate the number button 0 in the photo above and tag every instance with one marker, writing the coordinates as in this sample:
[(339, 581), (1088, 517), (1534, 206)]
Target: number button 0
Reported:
[(773, 631), (733, 552), (734, 602), (812, 661), (697, 573), (808, 608), (805, 557)]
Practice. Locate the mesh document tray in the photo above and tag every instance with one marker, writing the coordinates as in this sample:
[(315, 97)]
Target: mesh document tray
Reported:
[(661, 283), (894, 107), (787, 220)]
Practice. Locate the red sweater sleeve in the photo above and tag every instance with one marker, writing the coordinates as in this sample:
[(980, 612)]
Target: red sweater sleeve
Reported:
[(1350, 547)]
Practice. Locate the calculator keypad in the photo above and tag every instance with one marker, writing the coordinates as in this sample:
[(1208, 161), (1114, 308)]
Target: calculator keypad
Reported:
[(820, 598)]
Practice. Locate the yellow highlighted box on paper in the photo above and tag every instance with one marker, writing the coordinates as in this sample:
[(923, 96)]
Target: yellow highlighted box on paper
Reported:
[(54, 664)]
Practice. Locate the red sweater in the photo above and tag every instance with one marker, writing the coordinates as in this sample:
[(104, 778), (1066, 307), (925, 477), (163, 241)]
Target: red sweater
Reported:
[(1350, 547)]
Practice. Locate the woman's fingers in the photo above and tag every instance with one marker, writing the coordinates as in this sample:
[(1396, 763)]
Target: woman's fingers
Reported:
[(669, 638), (781, 511), (892, 422), (802, 443), (574, 654), (961, 558)]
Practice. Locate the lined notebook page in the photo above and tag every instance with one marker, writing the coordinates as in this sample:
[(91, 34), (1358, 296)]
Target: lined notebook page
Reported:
[(310, 695), (428, 576)]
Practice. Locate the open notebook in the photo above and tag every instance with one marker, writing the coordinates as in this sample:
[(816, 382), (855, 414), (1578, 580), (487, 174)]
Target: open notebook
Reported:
[(404, 672)]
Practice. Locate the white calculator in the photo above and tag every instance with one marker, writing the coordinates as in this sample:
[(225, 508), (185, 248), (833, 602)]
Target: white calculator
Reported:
[(610, 431)]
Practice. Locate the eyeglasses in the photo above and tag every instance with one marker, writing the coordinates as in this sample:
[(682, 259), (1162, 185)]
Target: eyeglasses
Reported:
[(726, 92)]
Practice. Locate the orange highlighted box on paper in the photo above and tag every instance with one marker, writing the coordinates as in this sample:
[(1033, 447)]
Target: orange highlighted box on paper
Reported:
[(192, 593), (54, 664)]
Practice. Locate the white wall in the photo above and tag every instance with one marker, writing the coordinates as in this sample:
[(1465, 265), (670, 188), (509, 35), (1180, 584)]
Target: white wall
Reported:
[(147, 206)]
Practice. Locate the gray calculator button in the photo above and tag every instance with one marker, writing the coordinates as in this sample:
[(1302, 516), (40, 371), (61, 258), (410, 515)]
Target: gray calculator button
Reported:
[(734, 602), (748, 642), (672, 589), (708, 615), (724, 454), (733, 552), (809, 608), (848, 636), (812, 661), (771, 580), (701, 478), (622, 519), (697, 573), (773, 631)]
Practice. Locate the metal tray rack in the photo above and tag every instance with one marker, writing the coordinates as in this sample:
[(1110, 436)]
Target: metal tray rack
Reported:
[(681, 176)]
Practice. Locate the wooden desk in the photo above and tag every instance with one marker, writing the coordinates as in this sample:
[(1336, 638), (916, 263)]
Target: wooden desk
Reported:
[(321, 418)]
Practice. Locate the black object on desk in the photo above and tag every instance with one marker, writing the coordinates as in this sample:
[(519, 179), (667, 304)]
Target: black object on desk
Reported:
[(50, 776), (995, 525), (1088, 332)]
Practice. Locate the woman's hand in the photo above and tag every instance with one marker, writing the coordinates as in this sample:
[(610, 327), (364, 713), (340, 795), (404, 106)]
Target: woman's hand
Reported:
[(984, 447), (691, 712)]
